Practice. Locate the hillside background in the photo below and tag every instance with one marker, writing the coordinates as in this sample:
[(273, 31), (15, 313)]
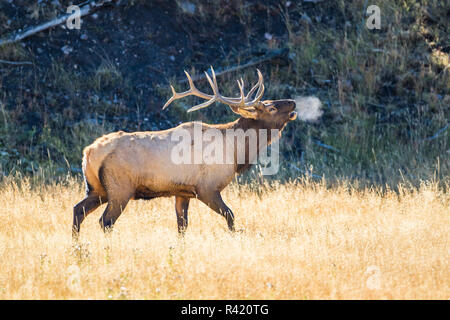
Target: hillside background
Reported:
[(385, 93)]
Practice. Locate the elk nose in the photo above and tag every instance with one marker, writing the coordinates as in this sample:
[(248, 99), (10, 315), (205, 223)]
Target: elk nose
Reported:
[(291, 104)]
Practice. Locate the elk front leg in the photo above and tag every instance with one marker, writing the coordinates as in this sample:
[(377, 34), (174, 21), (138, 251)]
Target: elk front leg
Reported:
[(215, 202), (181, 208)]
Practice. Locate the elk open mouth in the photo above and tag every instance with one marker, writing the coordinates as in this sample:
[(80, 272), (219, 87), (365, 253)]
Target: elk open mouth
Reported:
[(292, 115)]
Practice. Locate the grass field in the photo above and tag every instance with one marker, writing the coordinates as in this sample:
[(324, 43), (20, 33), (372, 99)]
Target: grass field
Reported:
[(385, 97), (302, 241)]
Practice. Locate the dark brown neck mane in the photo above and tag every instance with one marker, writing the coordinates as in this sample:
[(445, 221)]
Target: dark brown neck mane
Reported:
[(245, 124)]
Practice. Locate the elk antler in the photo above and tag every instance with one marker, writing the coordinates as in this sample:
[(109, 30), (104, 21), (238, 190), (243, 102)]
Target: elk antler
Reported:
[(242, 105)]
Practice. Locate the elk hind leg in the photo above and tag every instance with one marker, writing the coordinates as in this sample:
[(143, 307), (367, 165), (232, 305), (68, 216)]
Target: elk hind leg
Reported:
[(181, 208), (112, 212), (119, 191), (82, 209)]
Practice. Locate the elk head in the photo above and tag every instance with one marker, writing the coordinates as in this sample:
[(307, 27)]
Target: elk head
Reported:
[(269, 113)]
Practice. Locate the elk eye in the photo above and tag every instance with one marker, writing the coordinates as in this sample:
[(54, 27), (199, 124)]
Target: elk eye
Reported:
[(272, 109)]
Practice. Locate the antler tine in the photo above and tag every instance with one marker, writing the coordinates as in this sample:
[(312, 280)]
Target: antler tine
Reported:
[(215, 87), (213, 98), (252, 90), (212, 83), (261, 88), (248, 104), (256, 86), (202, 105), (241, 102), (192, 91), (174, 93), (241, 89), (191, 83), (260, 93)]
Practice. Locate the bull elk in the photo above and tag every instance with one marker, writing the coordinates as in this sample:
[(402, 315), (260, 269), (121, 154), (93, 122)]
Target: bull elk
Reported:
[(122, 166)]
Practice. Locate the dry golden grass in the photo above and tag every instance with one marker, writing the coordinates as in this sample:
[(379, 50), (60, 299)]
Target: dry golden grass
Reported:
[(299, 242)]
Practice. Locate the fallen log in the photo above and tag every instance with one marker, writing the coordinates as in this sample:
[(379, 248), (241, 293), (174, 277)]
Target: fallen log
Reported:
[(84, 10), (436, 135), (282, 53), (16, 63)]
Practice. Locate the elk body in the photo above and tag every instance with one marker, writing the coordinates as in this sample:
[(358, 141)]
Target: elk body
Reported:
[(120, 166)]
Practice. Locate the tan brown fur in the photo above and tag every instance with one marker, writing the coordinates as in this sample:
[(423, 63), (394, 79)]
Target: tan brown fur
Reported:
[(122, 166)]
